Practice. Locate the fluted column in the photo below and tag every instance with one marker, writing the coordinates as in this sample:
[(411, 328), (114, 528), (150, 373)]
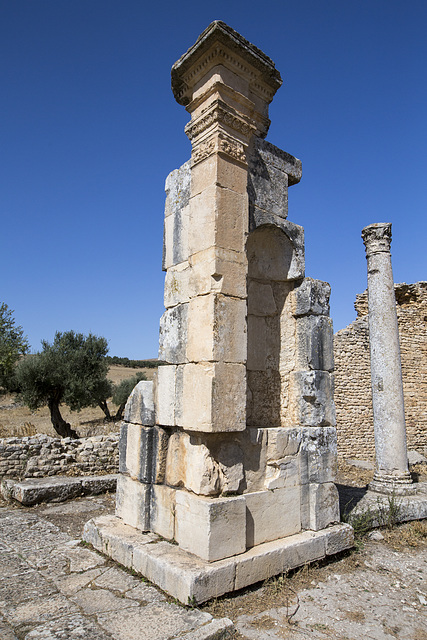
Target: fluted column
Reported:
[(391, 470)]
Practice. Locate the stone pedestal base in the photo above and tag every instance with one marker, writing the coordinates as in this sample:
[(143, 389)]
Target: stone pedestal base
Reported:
[(399, 485), (192, 580)]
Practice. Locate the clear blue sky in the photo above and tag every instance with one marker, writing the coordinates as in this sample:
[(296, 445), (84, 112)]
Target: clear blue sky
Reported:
[(89, 129)]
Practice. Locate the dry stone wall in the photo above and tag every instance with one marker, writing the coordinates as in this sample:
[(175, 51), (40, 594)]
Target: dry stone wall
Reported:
[(353, 397), (40, 456)]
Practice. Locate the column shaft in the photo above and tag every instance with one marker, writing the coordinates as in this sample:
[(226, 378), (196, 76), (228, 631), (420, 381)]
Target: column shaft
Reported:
[(386, 372)]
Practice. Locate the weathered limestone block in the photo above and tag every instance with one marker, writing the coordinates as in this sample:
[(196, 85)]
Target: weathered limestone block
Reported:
[(270, 171), (190, 464), (265, 397), (284, 472), (253, 443), (139, 408), (177, 285), (212, 335), (311, 297), (272, 514), (319, 505), (283, 441), (257, 343), (122, 447), (139, 451), (267, 167), (277, 557), (175, 238), (177, 187), (318, 454), (133, 502), (165, 395), (230, 460), (225, 172), (218, 270), (175, 242), (260, 299), (276, 253), (315, 343), (283, 458), (173, 334), (312, 398), (162, 511), (206, 209), (143, 452), (338, 538), (186, 577), (212, 397), (211, 529)]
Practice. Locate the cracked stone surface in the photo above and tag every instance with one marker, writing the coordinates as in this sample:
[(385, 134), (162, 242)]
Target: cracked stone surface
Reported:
[(52, 588)]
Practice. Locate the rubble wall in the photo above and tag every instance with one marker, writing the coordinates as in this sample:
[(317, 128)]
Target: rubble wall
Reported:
[(40, 456), (353, 397)]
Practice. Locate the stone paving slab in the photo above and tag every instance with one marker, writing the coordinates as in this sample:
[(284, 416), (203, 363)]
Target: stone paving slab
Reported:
[(51, 588), (55, 488)]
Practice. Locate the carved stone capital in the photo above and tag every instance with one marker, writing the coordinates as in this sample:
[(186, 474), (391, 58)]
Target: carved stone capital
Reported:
[(219, 113), (223, 62), (219, 143), (219, 44), (377, 238)]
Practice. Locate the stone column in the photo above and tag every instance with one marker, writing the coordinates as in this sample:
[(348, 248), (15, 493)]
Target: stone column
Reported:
[(391, 474)]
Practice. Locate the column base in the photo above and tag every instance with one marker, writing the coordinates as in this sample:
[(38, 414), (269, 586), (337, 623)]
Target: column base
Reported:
[(192, 580), (390, 484)]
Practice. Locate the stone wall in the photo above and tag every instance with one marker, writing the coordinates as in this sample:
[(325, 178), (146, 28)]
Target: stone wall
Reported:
[(40, 456), (353, 398)]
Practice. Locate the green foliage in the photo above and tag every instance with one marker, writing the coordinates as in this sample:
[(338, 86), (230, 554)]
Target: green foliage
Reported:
[(123, 390), (389, 513), (72, 370), (13, 344), (73, 367), (134, 364)]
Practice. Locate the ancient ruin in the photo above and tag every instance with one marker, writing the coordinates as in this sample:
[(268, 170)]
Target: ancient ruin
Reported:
[(353, 395), (227, 463), (391, 472)]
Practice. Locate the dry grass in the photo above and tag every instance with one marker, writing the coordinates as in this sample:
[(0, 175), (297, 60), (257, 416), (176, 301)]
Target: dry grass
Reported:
[(353, 476), (16, 420), (407, 535)]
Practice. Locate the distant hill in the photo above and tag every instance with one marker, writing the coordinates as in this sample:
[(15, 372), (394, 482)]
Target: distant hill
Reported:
[(151, 363)]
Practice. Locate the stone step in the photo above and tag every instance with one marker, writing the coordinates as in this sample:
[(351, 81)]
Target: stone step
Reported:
[(56, 488)]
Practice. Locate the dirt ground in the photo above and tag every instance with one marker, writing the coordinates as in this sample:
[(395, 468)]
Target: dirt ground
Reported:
[(17, 420)]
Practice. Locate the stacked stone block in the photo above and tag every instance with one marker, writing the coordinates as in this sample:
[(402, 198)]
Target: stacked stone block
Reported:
[(234, 445), (230, 453)]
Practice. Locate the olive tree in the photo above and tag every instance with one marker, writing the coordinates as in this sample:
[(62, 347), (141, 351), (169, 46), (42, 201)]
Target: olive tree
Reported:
[(13, 344), (72, 371)]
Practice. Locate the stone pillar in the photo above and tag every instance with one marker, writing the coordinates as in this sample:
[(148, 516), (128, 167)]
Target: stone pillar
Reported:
[(226, 84), (234, 446), (391, 474)]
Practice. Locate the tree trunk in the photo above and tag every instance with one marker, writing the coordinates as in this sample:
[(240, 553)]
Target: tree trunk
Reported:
[(104, 406), (120, 410), (61, 427)]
